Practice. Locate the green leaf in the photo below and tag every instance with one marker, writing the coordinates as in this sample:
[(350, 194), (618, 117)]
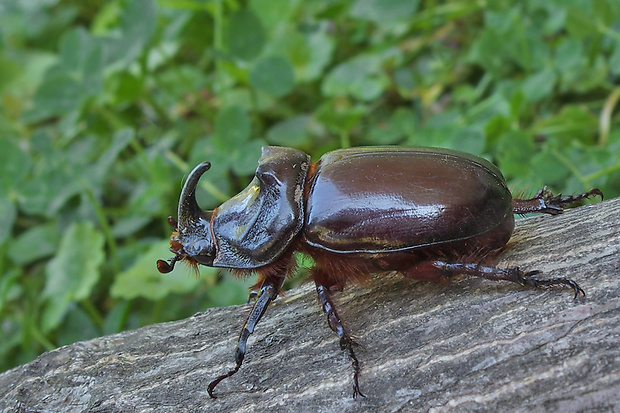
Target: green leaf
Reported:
[(100, 170), (143, 280), (517, 101), (128, 88), (76, 327), (73, 272), (227, 292), (130, 40), (545, 169), (309, 51), (489, 53), (401, 124), (59, 94), (290, 132), (515, 150), (12, 336), (245, 159), (604, 11), (360, 77), (10, 289), (57, 176), (572, 123), (38, 242), (539, 85), (273, 74), (468, 139), (138, 25), (580, 22), (15, 165), (129, 225), (76, 77), (232, 129), (106, 18), (495, 127), (274, 12), (82, 59), (340, 117), (245, 35), (569, 54), (116, 318), (48, 192), (384, 10), (614, 60)]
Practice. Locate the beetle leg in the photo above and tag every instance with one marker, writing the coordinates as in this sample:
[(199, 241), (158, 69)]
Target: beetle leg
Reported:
[(268, 292), (252, 296), (513, 274), (545, 202), (346, 342)]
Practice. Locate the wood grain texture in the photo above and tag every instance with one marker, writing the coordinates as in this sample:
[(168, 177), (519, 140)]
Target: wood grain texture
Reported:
[(472, 345)]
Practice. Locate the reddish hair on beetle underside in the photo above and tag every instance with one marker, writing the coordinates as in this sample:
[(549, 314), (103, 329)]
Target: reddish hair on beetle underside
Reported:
[(520, 191)]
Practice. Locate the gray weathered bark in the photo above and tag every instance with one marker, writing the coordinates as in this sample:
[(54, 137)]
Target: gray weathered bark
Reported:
[(473, 345)]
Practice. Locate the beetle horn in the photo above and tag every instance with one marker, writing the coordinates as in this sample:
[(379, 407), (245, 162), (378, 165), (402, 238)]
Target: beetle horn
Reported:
[(189, 211)]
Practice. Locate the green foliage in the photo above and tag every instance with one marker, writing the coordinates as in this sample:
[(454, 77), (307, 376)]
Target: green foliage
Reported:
[(106, 106), (69, 279)]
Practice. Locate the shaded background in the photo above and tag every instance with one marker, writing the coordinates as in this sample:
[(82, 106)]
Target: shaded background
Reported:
[(107, 105)]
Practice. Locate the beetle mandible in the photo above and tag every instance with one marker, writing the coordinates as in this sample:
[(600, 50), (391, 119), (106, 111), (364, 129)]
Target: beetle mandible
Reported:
[(356, 212)]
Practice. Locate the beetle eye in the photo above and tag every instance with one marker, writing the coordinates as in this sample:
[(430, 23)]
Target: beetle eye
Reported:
[(200, 250), (204, 259)]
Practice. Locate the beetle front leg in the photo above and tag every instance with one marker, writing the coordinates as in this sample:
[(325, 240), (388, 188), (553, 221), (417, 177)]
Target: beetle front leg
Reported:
[(545, 202), (268, 292), (513, 274), (346, 342)]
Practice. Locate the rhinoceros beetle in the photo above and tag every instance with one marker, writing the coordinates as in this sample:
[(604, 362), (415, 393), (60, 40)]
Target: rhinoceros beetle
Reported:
[(356, 212)]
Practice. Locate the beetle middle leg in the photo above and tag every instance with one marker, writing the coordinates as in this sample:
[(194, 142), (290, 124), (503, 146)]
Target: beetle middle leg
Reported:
[(545, 202), (346, 342), (514, 274)]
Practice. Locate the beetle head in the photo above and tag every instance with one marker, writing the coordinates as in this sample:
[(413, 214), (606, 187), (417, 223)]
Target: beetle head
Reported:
[(191, 239)]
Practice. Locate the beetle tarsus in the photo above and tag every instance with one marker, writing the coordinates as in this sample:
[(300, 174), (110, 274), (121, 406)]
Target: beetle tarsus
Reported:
[(356, 368), (216, 381), (514, 274), (346, 342), (545, 202), (530, 279)]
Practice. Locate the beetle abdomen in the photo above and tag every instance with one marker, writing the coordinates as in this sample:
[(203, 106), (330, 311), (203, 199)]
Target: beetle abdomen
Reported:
[(395, 199)]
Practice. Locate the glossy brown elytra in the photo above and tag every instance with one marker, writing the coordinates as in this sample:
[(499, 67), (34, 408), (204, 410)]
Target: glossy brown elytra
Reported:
[(356, 212)]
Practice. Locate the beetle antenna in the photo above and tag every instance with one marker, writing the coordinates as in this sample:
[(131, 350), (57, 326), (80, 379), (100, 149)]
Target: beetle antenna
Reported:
[(165, 267)]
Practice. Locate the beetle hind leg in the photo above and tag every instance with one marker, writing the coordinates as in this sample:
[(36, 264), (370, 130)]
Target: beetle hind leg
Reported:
[(545, 202), (346, 341), (444, 269)]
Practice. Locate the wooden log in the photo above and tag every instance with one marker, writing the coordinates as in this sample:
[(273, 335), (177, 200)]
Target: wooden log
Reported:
[(472, 345)]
